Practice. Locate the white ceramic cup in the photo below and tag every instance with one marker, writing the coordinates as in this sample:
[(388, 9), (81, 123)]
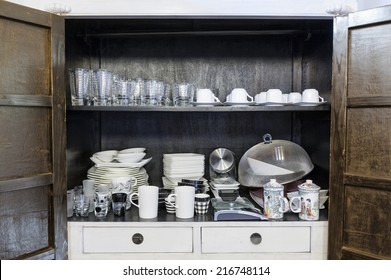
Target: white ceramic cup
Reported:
[(294, 97), (184, 201), (260, 97), (240, 95), (148, 199), (274, 95), (205, 95), (311, 96)]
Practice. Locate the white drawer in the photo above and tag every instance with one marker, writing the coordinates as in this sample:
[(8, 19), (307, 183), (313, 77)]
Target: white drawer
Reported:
[(137, 240), (256, 239)]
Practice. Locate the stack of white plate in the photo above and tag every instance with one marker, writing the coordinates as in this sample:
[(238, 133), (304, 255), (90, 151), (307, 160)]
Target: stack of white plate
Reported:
[(104, 175), (182, 166)]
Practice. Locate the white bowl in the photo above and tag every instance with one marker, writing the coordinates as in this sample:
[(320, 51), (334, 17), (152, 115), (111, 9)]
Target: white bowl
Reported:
[(130, 158), (132, 150), (131, 155), (107, 153), (105, 158), (322, 201)]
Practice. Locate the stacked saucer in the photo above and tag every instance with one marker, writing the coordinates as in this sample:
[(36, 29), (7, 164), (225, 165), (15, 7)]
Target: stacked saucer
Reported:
[(104, 175), (182, 166)]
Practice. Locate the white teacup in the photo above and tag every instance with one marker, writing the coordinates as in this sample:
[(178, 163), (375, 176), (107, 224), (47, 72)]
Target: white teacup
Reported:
[(184, 201), (294, 97), (148, 201), (274, 95), (206, 95), (239, 95), (311, 96), (260, 97)]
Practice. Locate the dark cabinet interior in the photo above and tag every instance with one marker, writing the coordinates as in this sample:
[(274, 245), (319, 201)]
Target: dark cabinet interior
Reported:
[(224, 53)]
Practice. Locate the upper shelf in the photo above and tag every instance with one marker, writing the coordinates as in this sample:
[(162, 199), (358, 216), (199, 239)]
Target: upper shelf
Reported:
[(118, 8), (324, 107)]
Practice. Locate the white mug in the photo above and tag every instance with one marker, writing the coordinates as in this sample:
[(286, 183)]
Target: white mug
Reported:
[(184, 201), (274, 95), (148, 200), (239, 95), (260, 97), (311, 96), (294, 97), (206, 95)]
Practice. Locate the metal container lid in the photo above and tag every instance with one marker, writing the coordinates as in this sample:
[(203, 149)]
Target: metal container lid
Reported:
[(221, 160)]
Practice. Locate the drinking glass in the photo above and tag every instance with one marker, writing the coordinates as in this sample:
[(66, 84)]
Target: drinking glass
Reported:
[(80, 86), (102, 86)]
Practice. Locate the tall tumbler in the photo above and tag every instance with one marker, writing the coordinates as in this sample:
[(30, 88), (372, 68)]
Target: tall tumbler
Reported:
[(121, 92), (102, 86), (80, 86), (138, 92)]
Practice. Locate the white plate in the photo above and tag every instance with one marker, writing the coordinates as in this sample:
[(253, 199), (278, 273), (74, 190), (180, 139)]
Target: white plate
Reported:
[(239, 103), (206, 103), (309, 103), (272, 104), (224, 186)]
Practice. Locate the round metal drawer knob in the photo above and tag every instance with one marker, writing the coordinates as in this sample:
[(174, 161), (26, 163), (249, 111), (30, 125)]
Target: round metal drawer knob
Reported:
[(256, 238), (137, 238)]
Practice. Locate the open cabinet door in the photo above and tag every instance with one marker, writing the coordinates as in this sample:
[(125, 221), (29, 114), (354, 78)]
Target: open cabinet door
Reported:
[(360, 174), (32, 134)]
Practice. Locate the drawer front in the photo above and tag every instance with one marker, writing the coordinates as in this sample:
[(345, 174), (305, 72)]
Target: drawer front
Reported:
[(256, 239), (137, 240)]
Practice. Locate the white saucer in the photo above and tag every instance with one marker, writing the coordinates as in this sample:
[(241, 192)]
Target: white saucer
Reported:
[(309, 103), (206, 103), (248, 103), (272, 104)]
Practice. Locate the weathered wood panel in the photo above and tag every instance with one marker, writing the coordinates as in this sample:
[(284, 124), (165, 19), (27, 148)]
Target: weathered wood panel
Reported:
[(24, 221), (367, 225), (25, 69), (337, 137), (25, 142), (368, 147), (369, 57)]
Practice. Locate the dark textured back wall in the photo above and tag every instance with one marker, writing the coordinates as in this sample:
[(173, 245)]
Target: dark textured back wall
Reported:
[(224, 62)]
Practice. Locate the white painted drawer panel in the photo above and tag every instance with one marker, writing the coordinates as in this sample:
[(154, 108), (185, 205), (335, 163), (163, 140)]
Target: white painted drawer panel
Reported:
[(125, 239), (273, 239)]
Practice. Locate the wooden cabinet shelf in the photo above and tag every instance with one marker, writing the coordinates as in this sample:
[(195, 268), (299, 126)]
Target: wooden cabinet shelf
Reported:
[(287, 108)]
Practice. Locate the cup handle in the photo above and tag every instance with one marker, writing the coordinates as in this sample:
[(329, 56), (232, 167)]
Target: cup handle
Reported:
[(133, 181), (321, 99), (284, 205), (251, 98), (131, 200), (298, 209), (169, 199)]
